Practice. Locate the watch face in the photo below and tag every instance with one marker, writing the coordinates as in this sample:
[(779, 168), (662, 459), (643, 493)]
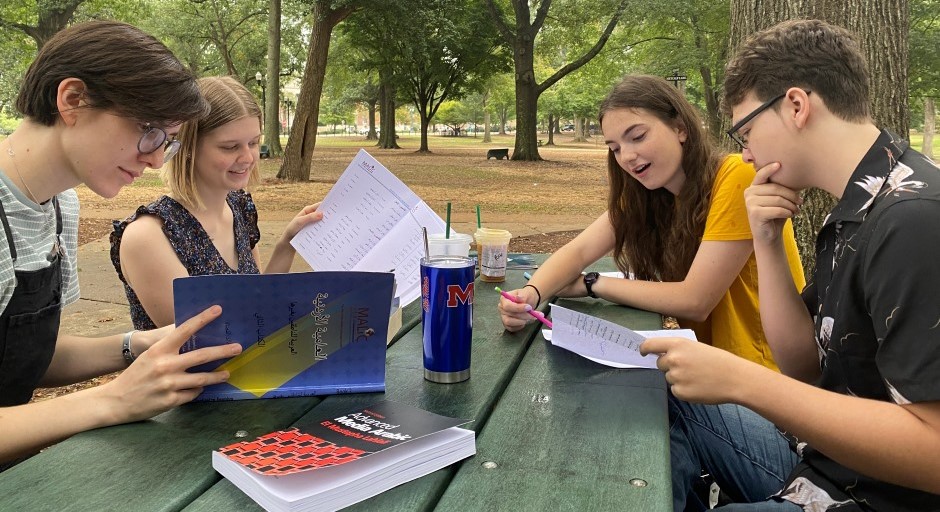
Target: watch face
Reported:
[(589, 279)]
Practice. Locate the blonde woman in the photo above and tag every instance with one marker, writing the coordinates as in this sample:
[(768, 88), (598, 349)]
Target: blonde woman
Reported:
[(208, 223)]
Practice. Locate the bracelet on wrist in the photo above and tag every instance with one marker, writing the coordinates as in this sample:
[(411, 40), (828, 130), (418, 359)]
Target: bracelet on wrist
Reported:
[(126, 351), (537, 293)]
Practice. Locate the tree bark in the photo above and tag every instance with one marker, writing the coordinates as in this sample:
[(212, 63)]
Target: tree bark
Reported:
[(425, 121), (930, 126), (882, 28), (486, 127), (552, 123), (298, 155), (579, 129), (372, 135), (387, 137), (53, 17), (272, 124)]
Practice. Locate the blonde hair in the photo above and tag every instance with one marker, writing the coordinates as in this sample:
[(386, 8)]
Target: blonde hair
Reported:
[(229, 101)]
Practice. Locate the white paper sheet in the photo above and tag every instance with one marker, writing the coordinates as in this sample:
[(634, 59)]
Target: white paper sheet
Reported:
[(371, 221), (604, 342)]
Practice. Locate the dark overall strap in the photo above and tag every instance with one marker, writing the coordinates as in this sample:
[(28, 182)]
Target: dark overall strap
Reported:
[(9, 232)]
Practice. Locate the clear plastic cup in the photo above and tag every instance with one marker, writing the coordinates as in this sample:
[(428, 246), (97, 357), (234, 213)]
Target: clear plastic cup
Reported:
[(457, 245), (492, 250)]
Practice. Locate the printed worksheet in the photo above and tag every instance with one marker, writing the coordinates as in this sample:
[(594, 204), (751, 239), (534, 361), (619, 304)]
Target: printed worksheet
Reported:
[(371, 222), (604, 342)]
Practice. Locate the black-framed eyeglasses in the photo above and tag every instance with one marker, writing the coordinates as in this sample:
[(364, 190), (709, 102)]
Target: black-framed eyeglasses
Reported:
[(154, 138), (734, 132)]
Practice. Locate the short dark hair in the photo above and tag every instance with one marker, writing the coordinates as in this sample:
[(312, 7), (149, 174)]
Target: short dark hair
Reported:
[(812, 54), (123, 68)]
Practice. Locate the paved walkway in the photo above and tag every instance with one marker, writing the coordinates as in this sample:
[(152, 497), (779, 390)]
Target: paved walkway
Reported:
[(103, 310)]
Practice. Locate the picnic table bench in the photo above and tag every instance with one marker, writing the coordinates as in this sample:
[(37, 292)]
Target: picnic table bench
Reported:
[(554, 431)]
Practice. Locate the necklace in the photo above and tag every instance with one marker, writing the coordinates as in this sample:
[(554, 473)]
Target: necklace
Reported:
[(16, 168)]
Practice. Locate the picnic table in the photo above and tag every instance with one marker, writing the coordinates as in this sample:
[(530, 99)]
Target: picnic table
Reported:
[(554, 431)]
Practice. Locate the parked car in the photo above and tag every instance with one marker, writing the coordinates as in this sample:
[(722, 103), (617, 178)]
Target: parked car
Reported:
[(567, 128)]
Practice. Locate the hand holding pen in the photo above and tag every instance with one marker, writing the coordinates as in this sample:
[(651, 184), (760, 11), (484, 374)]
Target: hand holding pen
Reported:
[(537, 314)]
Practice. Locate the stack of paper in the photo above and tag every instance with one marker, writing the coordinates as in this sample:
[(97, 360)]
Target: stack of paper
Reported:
[(604, 342), (371, 221), (344, 460)]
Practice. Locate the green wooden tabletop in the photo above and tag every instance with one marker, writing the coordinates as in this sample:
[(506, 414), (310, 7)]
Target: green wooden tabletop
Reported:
[(557, 432)]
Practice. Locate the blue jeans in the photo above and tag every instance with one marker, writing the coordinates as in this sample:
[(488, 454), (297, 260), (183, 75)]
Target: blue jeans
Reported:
[(744, 452)]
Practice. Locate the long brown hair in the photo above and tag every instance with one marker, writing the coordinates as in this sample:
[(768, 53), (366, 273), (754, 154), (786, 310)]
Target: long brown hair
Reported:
[(658, 233)]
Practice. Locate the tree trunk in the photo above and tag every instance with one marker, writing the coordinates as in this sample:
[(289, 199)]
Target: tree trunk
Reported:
[(425, 122), (578, 129), (272, 124), (372, 135), (881, 27), (486, 127), (527, 99), (930, 126), (303, 135), (387, 137), (53, 17), (503, 115), (552, 124)]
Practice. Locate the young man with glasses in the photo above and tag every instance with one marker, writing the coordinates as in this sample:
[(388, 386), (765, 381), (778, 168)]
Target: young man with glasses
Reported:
[(102, 101), (859, 397)]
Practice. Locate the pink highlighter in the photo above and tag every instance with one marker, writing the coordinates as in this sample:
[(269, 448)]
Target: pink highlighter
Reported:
[(537, 314)]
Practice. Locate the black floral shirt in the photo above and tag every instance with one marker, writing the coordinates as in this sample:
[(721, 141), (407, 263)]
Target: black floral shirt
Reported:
[(192, 244), (875, 300)]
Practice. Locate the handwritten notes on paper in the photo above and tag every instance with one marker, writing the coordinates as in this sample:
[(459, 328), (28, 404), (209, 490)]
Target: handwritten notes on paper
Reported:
[(371, 221), (602, 341)]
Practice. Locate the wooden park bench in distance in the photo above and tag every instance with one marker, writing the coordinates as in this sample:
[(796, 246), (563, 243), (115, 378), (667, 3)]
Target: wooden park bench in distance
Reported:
[(498, 153)]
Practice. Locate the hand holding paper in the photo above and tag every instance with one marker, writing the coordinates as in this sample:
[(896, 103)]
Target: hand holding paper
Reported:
[(701, 373), (602, 341)]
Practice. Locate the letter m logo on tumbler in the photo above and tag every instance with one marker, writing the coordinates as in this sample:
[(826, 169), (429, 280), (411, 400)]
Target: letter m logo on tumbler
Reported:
[(447, 317), (457, 295)]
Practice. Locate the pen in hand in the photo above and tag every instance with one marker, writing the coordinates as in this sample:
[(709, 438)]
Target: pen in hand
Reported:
[(538, 315)]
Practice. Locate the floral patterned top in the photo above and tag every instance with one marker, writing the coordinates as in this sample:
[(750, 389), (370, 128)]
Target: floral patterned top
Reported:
[(873, 298), (192, 244)]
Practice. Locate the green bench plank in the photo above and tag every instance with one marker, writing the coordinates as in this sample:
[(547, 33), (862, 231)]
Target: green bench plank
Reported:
[(495, 357), (160, 464), (573, 434)]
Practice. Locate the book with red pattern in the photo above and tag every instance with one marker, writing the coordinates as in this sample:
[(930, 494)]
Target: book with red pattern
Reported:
[(344, 458)]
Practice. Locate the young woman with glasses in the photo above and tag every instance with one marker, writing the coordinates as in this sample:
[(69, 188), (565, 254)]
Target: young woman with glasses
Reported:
[(676, 220), (102, 102), (208, 224)]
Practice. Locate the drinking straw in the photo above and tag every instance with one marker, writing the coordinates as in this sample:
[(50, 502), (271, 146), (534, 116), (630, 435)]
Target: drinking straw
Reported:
[(447, 227), (479, 224), (427, 250)]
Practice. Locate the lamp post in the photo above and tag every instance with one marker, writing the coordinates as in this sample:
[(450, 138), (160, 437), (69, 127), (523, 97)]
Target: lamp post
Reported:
[(260, 79), (287, 105)]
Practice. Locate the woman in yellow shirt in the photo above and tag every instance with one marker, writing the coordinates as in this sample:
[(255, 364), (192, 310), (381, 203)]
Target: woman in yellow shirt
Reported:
[(676, 219)]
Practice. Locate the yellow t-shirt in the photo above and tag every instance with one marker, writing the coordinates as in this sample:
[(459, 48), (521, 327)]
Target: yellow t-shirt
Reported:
[(734, 325)]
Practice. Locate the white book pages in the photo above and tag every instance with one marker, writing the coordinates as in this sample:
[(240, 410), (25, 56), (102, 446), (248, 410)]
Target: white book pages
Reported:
[(372, 222)]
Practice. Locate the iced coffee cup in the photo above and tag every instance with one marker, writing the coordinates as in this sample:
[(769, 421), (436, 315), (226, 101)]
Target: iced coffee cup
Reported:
[(492, 249), (457, 245)]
